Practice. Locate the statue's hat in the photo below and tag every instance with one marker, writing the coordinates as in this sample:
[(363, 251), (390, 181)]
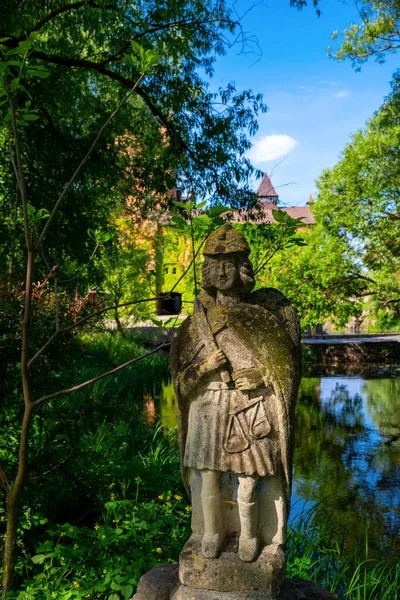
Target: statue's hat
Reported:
[(226, 240)]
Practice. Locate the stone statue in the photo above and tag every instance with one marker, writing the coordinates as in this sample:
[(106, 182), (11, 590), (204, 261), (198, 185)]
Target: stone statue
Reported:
[(236, 370)]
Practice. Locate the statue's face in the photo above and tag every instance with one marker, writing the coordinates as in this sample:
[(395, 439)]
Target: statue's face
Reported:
[(223, 272)]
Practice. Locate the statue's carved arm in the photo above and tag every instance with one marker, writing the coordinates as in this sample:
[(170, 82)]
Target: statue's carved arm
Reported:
[(191, 377)]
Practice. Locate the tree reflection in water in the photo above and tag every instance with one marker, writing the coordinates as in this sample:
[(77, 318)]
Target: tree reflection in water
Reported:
[(347, 454)]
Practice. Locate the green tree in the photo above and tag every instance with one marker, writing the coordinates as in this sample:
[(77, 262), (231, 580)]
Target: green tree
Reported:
[(359, 203), (376, 35), (320, 279)]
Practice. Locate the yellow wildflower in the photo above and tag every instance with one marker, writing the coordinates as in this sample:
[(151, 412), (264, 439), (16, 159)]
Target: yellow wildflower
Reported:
[(168, 497), (177, 497), (188, 508), (103, 537), (161, 497), (76, 584), (76, 546), (62, 533), (112, 497), (159, 550), (71, 529), (111, 486), (116, 520), (97, 527), (168, 504)]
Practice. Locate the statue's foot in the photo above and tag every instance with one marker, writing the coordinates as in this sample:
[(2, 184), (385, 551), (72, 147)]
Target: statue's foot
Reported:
[(211, 545), (248, 549)]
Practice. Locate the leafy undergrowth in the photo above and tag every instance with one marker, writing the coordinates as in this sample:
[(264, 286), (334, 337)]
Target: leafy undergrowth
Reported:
[(106, 560)]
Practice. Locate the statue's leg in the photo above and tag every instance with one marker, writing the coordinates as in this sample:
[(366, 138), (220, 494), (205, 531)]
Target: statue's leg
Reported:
[(272, 511), (248, 514), (214, 528)]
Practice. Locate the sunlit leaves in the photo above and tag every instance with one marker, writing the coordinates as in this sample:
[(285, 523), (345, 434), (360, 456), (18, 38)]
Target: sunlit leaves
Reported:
[(376, 35)]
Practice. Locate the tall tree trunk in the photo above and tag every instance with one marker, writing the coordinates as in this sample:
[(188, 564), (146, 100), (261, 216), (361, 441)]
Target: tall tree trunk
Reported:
[(13, 237), (14, 494), (120, 328)]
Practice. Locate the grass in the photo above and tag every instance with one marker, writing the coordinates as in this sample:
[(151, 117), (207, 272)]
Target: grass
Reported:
[(317, 551)]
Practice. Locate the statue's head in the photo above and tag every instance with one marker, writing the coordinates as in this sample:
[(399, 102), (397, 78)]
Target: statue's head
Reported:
[(226, 264)]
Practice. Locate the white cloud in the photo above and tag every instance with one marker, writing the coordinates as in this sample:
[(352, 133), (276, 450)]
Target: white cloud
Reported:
[(271, 147), (342, 94)]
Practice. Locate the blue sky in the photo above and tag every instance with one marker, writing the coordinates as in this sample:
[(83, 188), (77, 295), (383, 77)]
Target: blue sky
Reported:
[(314, 102)]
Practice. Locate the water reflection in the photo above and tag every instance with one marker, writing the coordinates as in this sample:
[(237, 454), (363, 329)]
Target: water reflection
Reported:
[(347, 453)]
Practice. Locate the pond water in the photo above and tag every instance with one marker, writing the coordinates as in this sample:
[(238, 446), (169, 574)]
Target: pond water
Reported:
[(347, 453)]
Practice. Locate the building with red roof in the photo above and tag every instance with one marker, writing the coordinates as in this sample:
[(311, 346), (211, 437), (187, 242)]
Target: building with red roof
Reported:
[(268, 201)]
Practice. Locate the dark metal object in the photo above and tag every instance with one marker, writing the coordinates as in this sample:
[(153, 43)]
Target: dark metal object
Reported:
[(169, 304)]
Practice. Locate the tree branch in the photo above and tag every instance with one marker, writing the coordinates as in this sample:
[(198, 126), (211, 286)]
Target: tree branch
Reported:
[(82, 164), (20, 172), (90, 381), (4, 479), (100, 68), (81, 322), (62, 9), (53, 468)]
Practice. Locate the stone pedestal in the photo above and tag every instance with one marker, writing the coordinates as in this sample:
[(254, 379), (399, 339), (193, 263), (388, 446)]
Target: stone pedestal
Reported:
[(228, 573), (162, 583)]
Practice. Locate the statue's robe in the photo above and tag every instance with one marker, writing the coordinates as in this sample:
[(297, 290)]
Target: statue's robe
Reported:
[(225, 430)]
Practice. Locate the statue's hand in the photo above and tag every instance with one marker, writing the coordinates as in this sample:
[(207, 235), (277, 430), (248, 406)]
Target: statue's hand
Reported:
[(248, 379), (215, 361)]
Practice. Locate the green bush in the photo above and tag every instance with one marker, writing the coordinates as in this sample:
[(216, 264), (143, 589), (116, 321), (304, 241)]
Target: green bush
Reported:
[(106, 561)]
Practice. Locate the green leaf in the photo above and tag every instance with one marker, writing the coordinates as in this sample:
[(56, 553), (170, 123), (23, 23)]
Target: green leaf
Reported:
[(156, 322), (42, 213), (37, 73), (31, 117), (216, 211), (201, 204), (178, 220), (136, 47), (38, 559), (126, 591), (31, 209), (278, 215), (180, 204), (4, 39), (113, 597)]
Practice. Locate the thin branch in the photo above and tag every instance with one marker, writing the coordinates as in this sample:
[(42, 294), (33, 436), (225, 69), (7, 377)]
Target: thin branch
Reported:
[(83, 162), (62, 9), (81, 322), (57, 300), (190, 264), (52, 15), (90, 381), (185, 23), (13, 161), (53, 468), (267, 256), (20, 170), (4, 479)]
